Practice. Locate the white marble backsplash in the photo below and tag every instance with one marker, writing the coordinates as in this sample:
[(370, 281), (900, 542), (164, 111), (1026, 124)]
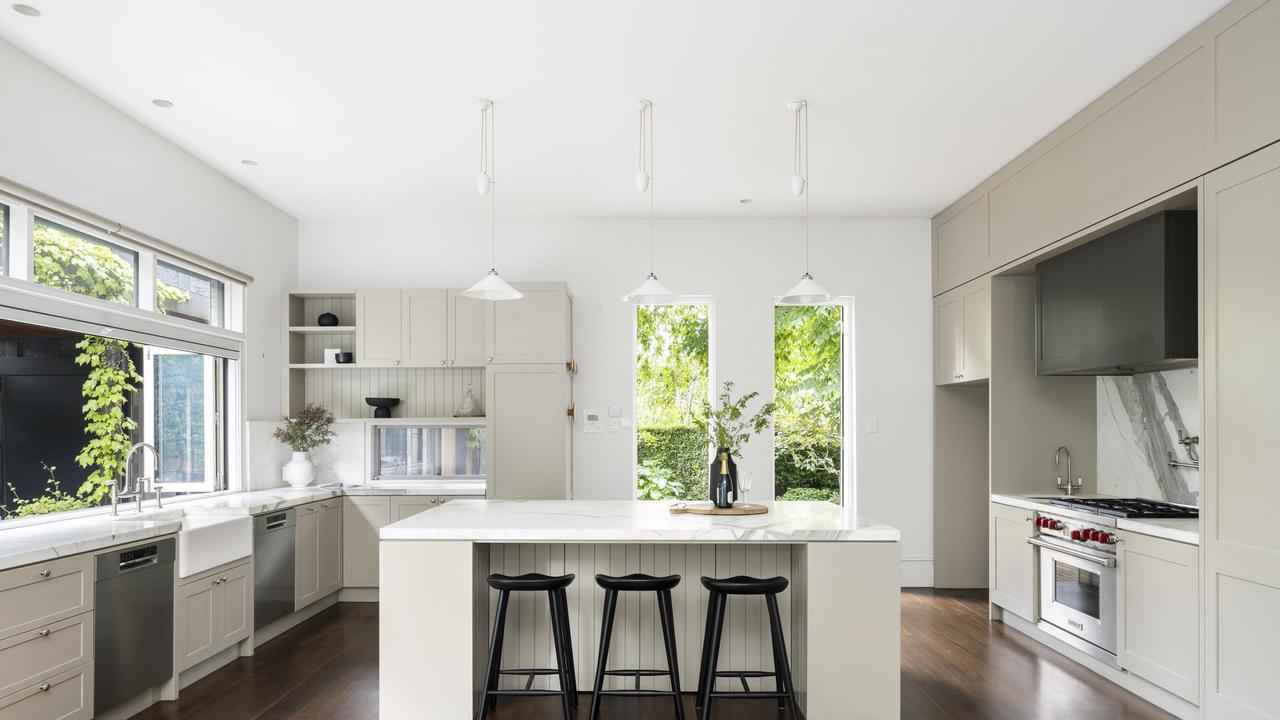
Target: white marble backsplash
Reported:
[(342, 460), (1140, 419)]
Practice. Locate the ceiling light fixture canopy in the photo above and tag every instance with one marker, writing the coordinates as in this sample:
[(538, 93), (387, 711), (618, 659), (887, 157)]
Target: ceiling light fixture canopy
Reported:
[(651, 291), (26, 10), (491, 286), (807, 291)]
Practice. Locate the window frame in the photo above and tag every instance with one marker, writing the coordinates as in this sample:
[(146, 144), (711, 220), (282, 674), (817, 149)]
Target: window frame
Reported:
[(215, 423), (77, 230), (373, 458)]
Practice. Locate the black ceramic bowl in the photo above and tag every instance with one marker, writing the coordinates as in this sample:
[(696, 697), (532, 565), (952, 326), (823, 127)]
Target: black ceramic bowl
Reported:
[(346, 358), (327, 320), (382, 406)]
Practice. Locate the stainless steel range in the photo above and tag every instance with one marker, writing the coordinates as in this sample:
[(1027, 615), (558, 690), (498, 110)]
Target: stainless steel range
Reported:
[(1077, 563)]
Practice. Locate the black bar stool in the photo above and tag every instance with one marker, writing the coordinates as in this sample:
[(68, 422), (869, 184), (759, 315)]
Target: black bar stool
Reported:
[(554, 588), (721, 589), (638, 583)]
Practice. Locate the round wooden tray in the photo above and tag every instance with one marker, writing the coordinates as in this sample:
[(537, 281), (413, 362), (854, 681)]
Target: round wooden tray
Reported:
[(706, 508)]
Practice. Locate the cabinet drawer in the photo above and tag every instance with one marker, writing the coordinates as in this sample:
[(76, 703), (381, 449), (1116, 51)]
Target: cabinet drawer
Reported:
[(68, 696), (32, 656), (33, 596)]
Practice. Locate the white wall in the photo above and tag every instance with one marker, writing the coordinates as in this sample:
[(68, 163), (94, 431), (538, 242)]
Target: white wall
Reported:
[(883, 264), (59, 139)]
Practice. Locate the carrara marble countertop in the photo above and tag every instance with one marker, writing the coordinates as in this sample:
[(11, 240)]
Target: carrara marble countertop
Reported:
[(606, 521), (30, 542), (1185, 530)]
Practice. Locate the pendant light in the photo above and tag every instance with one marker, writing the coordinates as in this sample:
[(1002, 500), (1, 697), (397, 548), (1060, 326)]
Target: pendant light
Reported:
[(491, 286), (807, 291), (651, 291)]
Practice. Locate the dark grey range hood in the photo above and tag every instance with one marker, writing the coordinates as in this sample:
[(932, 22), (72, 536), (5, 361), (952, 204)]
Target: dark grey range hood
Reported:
[(1124, 303)]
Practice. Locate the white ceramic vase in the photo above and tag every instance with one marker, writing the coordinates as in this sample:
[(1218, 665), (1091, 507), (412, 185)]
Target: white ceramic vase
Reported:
[(299, 472)]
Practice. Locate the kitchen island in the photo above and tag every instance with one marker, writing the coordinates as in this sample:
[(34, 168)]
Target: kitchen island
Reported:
[(841, 612)]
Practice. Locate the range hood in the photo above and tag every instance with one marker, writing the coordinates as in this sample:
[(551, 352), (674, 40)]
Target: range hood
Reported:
[(1124, 303)]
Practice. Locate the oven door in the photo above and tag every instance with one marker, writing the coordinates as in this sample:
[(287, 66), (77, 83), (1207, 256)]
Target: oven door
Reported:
[(1078, 592)]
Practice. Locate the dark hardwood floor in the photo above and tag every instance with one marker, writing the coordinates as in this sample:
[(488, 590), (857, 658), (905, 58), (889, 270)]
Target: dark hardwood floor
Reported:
[(955, 666)]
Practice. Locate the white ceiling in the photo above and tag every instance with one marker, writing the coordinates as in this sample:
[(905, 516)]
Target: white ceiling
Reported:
[(363, 109)]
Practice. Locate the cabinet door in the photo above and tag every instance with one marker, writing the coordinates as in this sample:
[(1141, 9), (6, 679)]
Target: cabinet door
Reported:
[(470, 339), (960, 246), (363, 517), (1158, 612), (533, 329), (330, 546), (1013, 561), (528, 442), (197, 622), (424, 334), (233, 604), (976, 335), (410, 505), (948, 333), (306, 556), (379, 327)]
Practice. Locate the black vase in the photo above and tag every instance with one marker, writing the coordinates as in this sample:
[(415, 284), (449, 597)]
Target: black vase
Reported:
[(327, 320), (713, 475)]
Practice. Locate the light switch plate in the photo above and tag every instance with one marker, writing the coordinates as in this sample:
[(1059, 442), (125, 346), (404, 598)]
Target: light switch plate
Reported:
[(591, 421), (873, 425)]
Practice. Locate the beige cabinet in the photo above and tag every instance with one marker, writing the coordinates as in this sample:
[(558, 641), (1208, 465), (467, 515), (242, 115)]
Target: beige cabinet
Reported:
[(960, 247), (28, 658), (1013, 561), (33, 596), (470, 340), (406, 506), (363, 517), (529, 432), (379, 327), (424, 331), (330, 546), (317, 551), (68, 696), (1247, 81), (533, 329), (962, 334), (1158, 612), (214, 611)]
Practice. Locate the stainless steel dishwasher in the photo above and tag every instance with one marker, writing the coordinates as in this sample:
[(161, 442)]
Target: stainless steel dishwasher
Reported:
[(273, 580), (133, 622)]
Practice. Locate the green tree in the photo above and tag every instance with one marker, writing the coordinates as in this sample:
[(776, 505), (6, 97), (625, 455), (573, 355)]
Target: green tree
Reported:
[(808, 384), (68, 261), (672, 344)]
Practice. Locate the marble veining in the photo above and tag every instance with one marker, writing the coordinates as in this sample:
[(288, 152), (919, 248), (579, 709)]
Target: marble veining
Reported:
[(633, 521), (1140, 420)]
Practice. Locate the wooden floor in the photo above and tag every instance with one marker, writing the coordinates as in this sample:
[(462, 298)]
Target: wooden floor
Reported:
[(955, 666)]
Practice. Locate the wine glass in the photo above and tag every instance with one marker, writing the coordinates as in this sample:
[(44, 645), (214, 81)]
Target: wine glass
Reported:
[(744, 482)]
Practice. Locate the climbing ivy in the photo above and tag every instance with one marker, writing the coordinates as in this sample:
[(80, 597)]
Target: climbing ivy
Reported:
[(112, 379)]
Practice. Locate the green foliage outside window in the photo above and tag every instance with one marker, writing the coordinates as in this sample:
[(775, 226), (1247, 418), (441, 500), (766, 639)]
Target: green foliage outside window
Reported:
[(672, 367), (808, 390), (65, 260)]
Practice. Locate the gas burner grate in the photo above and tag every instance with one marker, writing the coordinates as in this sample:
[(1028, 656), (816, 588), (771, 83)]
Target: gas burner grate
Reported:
[(1128, 507)]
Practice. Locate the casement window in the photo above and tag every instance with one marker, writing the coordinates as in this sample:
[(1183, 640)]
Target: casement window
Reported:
[(443, 451)]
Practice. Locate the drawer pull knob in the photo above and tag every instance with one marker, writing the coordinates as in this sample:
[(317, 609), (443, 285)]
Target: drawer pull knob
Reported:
[(44, 687), (44, 632), (45, 573)]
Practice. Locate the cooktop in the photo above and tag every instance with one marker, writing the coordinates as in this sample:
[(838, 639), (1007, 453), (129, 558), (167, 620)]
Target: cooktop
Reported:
[(1128, 507)]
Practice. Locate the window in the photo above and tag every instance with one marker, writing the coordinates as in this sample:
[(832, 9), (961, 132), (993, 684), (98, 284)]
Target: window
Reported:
[(70, 260), (183, 419), (809, 389), (435, 452), (673, 376), (4, 238), (190, 295)]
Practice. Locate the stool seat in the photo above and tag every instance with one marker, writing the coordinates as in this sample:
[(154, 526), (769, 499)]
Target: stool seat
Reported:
[(530, 582), (637, 582), (743, 585)]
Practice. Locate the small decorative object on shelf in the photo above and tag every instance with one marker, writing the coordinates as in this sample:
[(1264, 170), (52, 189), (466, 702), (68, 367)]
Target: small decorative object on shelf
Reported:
[(331, 356), (469, 407), (729, 428), (382, 406), (346, 358), (327, 320), (312, 428)]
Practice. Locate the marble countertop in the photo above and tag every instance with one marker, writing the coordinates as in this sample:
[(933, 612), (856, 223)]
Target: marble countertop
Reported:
[(1186, 530), (28, 543), (577, 521)]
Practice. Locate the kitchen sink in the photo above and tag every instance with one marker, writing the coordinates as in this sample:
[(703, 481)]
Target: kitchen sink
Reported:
[(207, 541)]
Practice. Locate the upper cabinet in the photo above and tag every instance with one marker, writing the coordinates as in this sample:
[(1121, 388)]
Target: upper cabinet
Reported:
[(379, 327), (424, 336), (962, 334), (1207, 100), (469, 324), (533, 329)]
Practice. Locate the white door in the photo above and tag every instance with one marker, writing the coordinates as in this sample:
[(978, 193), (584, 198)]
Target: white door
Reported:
[(529, 432), (470, 339), (1240, 539), (424, 335), (378, 327)]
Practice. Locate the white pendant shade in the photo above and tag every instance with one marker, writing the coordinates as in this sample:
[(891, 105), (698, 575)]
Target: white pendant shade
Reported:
[(492, 287), (651, 292), (484, 183), (806, 292)]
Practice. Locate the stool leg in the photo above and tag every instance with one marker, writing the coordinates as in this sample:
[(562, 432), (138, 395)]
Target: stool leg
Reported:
[(669, 640), (782, 665), (714, 658), (495, 655), (557, 632), (706, 647), (568, 645), (606, 633)]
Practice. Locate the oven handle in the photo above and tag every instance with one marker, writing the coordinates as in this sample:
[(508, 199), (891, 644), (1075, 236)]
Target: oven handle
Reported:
[(1103, 561)]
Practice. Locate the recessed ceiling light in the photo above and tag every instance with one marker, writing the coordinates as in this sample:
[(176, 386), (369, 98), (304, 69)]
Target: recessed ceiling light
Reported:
[(162, 103), (744, 201), (26, 10), (250, 163)]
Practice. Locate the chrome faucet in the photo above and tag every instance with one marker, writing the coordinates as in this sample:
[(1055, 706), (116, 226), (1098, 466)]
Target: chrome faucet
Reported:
[(1069, 486), (140, 484)]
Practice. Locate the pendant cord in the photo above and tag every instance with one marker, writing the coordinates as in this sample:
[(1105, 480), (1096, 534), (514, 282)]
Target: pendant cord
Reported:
[(492, 112), (652, 220), (808, 189)]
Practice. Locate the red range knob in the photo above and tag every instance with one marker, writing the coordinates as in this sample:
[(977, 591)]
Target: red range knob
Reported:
[(1105, 538), (1076, 535), (1095, 535), (1042, 522), (1055, 524)]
